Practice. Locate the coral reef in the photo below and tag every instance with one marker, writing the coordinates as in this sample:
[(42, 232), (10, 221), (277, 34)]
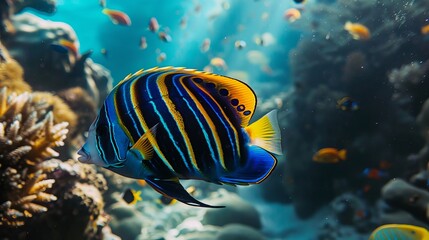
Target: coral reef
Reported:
[(11, 73), (41, 193), (59, 108), (27, 135), (329, 64), (57, 71)]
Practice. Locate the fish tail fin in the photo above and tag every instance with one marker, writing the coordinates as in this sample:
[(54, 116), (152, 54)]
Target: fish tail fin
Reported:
[(265, 133), (342, 154), (259, 165)]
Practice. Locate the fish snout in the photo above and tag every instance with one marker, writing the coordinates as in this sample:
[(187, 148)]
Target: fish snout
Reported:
[(84, 157)]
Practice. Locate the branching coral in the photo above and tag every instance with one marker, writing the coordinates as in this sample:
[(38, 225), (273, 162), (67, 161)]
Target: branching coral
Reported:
[(27, 137), (60, 109)]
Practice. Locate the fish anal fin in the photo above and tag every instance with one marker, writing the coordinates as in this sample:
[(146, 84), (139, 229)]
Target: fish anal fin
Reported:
[(173, 189), (257, 168), (265, 133), (143, 147)]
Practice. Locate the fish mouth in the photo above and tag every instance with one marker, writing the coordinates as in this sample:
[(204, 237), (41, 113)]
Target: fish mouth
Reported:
[(84, 157)]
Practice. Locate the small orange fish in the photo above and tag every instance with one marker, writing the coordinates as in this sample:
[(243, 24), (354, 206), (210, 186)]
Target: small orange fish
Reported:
[(330, 155), (205, 46), (358, 31), (425, 29), (161, 57), (143, 43), (142, 182), (118, 17), (292, 14), (218, 62), (164, 36), (153, 25)]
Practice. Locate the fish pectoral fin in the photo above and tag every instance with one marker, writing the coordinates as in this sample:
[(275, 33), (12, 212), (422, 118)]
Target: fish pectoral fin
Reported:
[(257, 168), (173, 189), (265, 133), (143, 147)]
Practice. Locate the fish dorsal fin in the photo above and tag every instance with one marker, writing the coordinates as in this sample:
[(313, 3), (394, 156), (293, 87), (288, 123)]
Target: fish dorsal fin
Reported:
[(232, 93), (173, 189), (143, 148), (238, 95)]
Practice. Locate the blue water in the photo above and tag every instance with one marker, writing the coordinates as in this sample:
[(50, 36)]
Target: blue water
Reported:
[(95, 31)]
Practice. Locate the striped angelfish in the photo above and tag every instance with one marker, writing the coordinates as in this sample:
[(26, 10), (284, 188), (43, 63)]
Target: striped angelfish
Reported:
[(399, 232), (166, 124)]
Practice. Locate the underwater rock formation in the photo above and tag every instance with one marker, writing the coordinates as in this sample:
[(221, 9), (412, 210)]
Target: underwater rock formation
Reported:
[(404, 196), (48, 69), (238, 231), (236, 211), (8, 8), (329, 64)]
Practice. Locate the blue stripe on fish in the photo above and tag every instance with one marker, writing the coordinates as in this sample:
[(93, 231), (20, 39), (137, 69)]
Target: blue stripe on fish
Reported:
[(202, 122), (148, 102), (227, 132)]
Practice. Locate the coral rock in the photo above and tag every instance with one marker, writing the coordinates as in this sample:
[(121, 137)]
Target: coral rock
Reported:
[(236, 211), (402, 195), (238, 231)]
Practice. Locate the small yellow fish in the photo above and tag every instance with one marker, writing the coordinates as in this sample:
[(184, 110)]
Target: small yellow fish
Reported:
[(358, 31), (347, 104), (399, 231), (330, 155), (131, 196)]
